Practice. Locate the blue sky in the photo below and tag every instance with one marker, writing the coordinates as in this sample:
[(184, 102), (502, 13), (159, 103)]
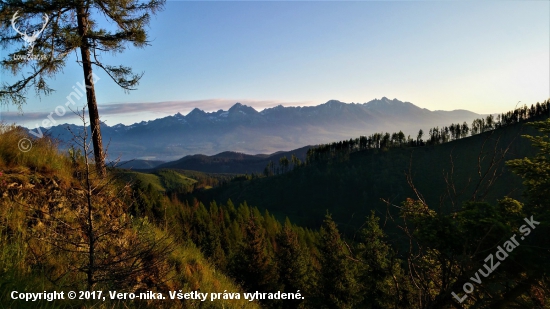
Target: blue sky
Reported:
[(482, 56)]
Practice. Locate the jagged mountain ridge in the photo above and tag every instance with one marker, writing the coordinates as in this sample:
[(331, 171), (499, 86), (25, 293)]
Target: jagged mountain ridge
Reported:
[(243, 129)]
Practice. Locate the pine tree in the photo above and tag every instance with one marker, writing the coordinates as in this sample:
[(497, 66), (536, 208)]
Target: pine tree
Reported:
[(337, 283), (251, 265), (213, 246), (69, 26), (419, 136), (536, 170), (378, 270), (292, 265), (283, 163)]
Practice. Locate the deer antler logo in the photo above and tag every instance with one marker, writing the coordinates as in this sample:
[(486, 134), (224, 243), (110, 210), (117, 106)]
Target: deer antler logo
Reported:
[(29, 40)]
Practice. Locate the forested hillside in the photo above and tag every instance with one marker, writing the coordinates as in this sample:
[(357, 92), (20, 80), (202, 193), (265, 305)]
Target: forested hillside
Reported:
[(452, 259), (233, 162), (446, 225), (64, 229), (351, 178)]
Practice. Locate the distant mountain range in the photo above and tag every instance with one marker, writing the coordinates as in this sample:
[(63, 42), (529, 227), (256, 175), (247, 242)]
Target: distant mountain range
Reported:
[(224, 162), (232, 162), (243, 129)]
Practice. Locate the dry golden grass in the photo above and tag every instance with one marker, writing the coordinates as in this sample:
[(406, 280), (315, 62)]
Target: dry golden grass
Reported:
[(39, 196), (43, 157)]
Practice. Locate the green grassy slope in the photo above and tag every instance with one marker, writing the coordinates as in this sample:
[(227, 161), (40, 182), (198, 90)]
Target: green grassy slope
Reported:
[(162, 180)]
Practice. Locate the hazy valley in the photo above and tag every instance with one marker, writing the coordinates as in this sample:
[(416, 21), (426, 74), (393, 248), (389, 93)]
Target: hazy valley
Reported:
[(243, 129)]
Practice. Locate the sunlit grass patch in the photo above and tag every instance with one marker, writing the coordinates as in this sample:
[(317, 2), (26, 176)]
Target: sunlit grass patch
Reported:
[(38, 154)]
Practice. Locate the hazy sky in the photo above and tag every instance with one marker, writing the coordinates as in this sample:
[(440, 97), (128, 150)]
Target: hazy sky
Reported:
[(482, 56)]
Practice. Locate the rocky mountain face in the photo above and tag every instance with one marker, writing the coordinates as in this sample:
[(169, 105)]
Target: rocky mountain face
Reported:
[(243, 129)]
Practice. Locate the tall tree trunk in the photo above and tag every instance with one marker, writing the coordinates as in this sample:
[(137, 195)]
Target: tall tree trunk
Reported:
[(82, 19), (90, 233)]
